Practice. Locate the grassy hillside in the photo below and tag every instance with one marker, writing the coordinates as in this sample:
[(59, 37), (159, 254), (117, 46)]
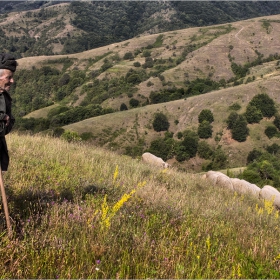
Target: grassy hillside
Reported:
[(84, 212), (119, 129)]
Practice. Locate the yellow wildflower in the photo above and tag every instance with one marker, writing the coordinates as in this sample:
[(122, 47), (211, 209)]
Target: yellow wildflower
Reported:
[(121, 202)]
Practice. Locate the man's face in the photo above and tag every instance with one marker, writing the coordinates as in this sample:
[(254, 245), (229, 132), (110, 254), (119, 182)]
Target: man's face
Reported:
[(6, 80)]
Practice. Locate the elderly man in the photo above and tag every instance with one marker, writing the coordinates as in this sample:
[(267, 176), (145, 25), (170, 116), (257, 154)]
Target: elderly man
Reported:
[(8, 66)]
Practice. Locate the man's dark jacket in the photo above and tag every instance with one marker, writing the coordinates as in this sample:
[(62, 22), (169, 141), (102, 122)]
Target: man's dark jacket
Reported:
[(4, 155)]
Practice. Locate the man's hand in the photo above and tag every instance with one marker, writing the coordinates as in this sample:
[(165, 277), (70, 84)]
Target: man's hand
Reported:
[(7, 120)]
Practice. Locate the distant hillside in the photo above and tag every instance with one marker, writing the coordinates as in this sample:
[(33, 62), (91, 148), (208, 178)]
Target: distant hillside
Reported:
[(32, 28), (110, 95)]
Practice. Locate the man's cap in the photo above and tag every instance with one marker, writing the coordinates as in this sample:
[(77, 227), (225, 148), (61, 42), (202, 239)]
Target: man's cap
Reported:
[(7, 61)]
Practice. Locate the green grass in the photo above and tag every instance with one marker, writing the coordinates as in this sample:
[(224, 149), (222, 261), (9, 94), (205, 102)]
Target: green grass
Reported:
[(84, 212)]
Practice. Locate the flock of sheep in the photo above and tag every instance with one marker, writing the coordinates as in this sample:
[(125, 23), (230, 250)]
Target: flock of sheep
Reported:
[(221, 180), (242, 186)]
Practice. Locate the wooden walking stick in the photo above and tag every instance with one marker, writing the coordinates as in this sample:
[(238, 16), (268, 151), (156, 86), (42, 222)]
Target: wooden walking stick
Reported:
[(5, 204)]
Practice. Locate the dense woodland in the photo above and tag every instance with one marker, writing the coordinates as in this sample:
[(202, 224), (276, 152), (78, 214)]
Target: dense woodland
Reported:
[(106, 22)]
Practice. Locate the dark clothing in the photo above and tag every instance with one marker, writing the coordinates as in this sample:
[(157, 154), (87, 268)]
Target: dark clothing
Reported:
[(4, 155)]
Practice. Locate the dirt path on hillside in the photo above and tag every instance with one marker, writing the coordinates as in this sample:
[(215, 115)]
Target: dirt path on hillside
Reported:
[(236, 35)]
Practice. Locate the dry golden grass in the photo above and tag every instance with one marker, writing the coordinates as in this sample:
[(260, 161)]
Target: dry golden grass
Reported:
[(41, 113)]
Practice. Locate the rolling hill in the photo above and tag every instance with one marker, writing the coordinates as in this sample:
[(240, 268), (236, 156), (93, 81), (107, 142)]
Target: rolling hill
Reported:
[(215, 49), (31, 28)]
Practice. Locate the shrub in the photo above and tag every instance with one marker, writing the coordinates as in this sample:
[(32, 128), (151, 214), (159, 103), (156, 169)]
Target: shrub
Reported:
[(149, 63), (123, 107), (71, 136), (133, 102), (133, 79), (235, 107), (58, 131), (146, 53), (270, 131), (128, 55), (160, 122), (86, 136), (136, 64)]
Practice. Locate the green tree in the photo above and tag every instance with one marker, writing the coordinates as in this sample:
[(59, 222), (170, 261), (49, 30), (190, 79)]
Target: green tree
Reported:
[(253, 114), (276, 121), (273, 149), (181, 153), (187, 148), (204, 150), (231, 119), (251, 176), (160, 122), (240, 130), (204, 130), (162, 147), (253, 156), (64, 80), (266, 169), (265, 104), (134, 79), (149, 63), (190, 142), (219, 159), (205, 115)]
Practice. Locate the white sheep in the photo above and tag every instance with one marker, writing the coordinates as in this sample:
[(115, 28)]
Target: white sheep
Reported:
[(242, 186), (212, 176), (224, 182), (272, 194), (219, 179), (154, 160)]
